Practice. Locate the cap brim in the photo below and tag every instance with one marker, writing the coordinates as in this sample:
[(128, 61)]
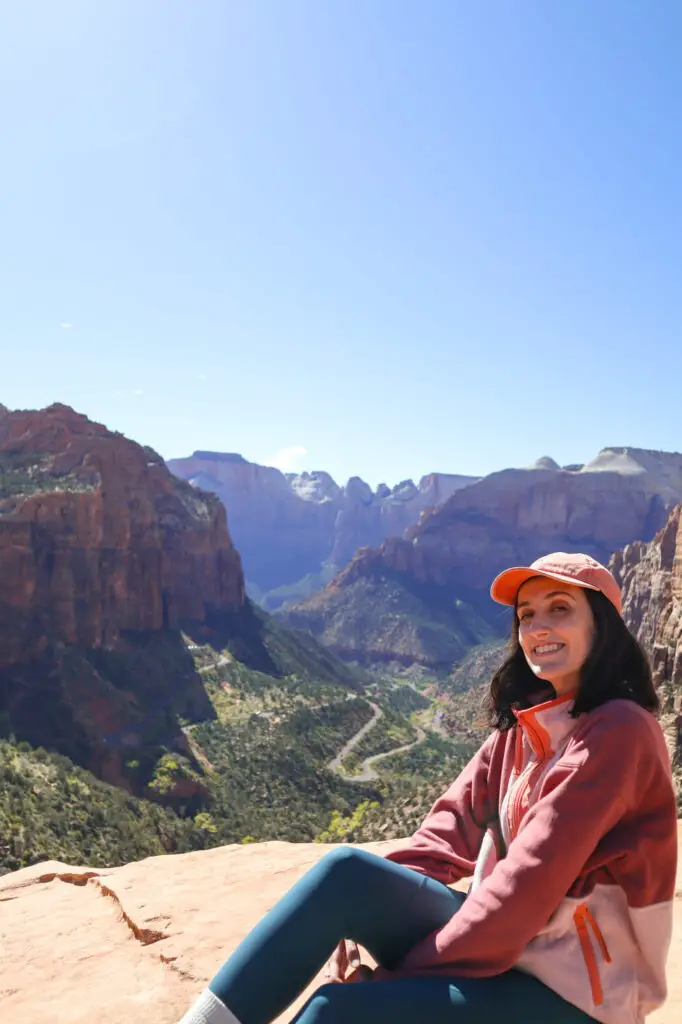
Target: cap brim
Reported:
[(505, 587)]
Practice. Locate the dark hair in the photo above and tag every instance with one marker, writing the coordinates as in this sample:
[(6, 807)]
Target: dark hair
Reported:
[(617, 666)]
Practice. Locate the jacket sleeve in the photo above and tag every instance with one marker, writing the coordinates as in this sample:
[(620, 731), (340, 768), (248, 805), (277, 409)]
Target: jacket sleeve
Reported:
[(604, 777), (446, 844)]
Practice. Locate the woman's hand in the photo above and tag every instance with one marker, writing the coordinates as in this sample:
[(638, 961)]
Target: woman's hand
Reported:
[(345, 958)]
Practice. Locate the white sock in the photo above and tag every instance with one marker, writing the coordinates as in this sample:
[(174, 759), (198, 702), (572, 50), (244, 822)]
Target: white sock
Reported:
[(208, 1009)]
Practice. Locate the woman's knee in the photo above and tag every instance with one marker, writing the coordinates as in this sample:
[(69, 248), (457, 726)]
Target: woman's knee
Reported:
[(347, 863)]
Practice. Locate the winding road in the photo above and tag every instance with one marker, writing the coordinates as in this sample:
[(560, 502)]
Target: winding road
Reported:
[(335, 764), (224, 660), (367, 772)]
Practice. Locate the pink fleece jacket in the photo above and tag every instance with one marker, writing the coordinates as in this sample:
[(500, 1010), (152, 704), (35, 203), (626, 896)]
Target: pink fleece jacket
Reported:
[(568, 830)]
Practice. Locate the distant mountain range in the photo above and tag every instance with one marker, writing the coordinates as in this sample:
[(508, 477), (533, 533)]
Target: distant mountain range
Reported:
[(423, 598), (294, 531)]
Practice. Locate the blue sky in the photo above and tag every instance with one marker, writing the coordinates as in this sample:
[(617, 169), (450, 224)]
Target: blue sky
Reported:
[(396, 236)]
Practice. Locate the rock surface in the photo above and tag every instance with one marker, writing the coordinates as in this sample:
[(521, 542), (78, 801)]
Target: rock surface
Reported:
[(289, 526), (139, 942), (651, 579), (456, 549), (102, 550), (97, 537)]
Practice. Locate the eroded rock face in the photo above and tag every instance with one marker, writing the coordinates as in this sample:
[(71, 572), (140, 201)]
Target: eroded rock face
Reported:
[(104, 557), (651, 579), (289, 526), (507, 518), (98, 538)]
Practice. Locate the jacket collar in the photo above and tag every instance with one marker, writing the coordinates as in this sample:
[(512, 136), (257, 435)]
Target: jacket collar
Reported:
[(546, 726)]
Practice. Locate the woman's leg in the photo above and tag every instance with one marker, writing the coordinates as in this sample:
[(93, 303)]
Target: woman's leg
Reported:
[(512, 998), (349, 894)]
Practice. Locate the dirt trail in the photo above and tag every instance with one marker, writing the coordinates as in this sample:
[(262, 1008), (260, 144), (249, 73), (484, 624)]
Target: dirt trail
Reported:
[(335, 764), (367, 772)]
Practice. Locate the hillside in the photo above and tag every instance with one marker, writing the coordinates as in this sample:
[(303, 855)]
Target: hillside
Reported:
[(52, 809), (257, 769), (422, 599), (390, 619)]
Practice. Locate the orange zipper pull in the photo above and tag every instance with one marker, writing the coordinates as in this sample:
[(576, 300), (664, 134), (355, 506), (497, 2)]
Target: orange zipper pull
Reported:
[(581, 918), (597, 931)]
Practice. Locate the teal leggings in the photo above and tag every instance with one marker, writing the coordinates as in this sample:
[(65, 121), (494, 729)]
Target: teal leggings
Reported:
[(387, 909)]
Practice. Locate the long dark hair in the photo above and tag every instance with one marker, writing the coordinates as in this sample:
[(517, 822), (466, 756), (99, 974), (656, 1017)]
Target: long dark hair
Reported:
[(617, 666)]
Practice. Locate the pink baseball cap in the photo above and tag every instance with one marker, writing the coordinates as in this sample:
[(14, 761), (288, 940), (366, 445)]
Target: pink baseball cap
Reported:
[(578, 570)]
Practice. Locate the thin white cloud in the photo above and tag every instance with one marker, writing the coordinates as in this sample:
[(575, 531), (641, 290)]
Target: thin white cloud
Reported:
[(66, 327), (138, 391), (201, 376), (289, 459)]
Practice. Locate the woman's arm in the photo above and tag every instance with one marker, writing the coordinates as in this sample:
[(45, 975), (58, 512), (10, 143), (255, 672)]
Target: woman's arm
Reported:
[(615, 772), (446, 844)]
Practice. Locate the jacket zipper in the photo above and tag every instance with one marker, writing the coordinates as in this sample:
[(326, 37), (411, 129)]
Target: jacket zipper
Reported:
[(582, 918), (521, 786)]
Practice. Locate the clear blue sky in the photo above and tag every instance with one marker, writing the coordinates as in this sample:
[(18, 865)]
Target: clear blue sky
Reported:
[(404, 236)]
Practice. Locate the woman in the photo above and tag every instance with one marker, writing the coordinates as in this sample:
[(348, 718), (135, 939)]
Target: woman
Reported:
[(565, 820)]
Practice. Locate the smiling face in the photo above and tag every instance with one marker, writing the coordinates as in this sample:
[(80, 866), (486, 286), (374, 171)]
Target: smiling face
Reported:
[(556, 630)]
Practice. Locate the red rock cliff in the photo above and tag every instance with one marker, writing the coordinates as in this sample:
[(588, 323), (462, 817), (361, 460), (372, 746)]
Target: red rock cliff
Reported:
[(651, 578), (97, 538)]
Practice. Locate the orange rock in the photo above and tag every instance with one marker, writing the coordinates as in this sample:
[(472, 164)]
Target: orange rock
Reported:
[(137, 943), (651, 580), (102, 538)]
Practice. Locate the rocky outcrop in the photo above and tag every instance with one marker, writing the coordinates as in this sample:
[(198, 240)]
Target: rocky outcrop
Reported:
[(449, 558), (104, 557), (138, 943), (651, 579), (287, 527), (97, 538)]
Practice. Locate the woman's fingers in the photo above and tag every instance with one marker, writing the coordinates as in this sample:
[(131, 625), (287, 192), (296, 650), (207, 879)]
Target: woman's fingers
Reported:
[(345, 963), (353, 953), (338, 964)]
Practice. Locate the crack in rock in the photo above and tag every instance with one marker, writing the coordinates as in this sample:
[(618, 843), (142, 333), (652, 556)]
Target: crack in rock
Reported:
[(145, 936)]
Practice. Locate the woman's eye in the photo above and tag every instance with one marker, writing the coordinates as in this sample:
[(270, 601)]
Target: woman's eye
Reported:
[(560, 608), (524, 616)]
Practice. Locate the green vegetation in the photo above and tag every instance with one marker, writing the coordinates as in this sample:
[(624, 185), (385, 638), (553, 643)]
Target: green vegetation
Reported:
[(341, 829), (22, 475), (52, 810), (392, 730), (269, 779), (169, 770), (392, 620), (410, 784), (236, 728), (477, 667)]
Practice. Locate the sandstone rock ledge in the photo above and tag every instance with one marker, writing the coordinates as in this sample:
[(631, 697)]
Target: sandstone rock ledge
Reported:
[(135, 944)]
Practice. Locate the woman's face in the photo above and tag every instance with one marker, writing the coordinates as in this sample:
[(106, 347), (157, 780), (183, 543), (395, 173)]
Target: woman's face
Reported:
[(556, 630)]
